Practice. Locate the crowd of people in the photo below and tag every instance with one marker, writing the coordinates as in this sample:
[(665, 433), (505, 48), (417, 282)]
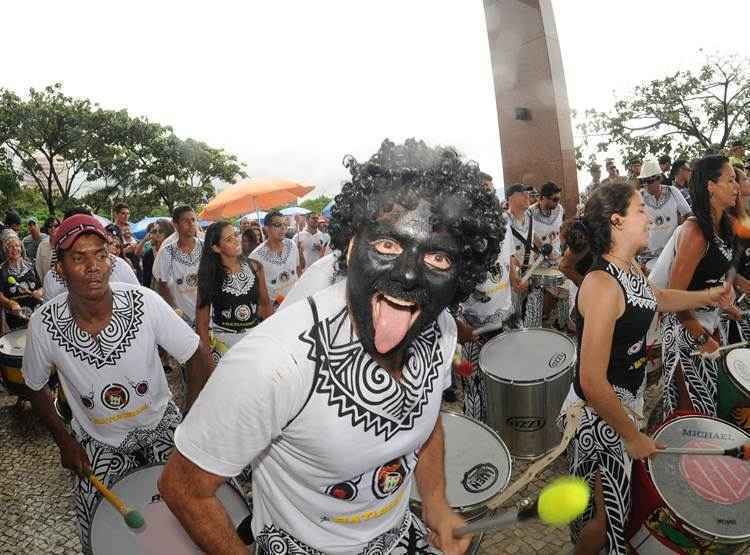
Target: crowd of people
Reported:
[(318, 362)]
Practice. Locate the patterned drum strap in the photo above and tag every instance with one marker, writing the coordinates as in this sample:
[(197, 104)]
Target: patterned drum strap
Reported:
[(572, 419)]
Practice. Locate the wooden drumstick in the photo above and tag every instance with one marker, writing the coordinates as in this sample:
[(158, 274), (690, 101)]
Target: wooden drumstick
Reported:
[(738, 345), (533, 267), (132, 518), (741, 452)]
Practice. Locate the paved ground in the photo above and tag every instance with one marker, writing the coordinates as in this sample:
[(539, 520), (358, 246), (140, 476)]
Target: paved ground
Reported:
[(36, 513)]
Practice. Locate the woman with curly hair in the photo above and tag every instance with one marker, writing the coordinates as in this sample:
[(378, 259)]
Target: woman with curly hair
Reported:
[(698, 255), (232, 296), (340, 414), (614, 308)]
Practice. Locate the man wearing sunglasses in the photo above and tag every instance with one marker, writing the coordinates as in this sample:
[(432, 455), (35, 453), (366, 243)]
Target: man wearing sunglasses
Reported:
[(666, 206), (548, 217)]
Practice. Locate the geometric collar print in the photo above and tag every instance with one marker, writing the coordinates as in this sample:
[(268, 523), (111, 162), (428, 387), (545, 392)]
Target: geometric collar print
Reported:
[(364, 392), (108, 346)]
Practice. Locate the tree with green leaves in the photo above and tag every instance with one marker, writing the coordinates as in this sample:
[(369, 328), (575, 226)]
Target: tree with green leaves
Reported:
[(686, 113), (316, 205)]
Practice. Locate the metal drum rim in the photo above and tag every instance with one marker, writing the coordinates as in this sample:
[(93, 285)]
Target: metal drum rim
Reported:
[(497, 379), (698, 531), (461, 509), (742, 387)]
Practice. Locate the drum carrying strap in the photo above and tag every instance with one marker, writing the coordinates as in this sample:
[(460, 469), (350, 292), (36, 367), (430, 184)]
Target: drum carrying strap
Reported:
[(572, 419), (528, 245)]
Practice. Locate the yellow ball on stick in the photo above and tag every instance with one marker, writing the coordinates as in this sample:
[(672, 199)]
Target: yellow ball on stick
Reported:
[(564, 500)]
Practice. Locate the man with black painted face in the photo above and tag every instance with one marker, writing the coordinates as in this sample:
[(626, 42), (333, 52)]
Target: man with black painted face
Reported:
[(335, 400)]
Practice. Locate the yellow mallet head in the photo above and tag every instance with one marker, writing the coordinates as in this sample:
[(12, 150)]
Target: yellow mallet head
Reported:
[(564, 500)]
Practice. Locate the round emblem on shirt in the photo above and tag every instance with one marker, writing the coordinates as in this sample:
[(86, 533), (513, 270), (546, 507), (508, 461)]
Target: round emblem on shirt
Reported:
[(243, 313), (388, 478), (115, 396), (283, 276), (191, 280), (345, 491), (658, 220), (141, 388), (480, 477), (557, 360)]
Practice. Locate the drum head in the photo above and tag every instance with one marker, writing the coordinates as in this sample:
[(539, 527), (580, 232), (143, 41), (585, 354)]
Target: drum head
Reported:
[(13, 343), (477, 463), (738, 366), (162, 533), (709, 493), (529, 355)]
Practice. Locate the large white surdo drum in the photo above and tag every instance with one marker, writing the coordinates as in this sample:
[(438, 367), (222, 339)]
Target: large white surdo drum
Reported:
[(527, 376), (162, 532)]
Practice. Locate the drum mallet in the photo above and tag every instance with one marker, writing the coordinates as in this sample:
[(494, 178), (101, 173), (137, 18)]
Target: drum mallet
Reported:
[(558, 504), (717, 352), (741, 452), (132, 518)]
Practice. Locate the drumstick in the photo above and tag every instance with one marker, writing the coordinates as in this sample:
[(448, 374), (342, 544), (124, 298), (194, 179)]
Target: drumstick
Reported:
[(132, 518), (487, 328), (741, 452), (739, 344), (558, 504)]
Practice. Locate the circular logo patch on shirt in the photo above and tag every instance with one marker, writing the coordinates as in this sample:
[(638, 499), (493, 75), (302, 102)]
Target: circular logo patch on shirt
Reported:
[(658, 220), (345, 491), (284, 276), (243, 313), (141, 388), (191, 280), (115, 396), (388, 478)]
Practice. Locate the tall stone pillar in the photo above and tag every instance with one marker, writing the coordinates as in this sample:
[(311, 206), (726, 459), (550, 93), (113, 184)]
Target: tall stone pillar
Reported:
[(532, 101)]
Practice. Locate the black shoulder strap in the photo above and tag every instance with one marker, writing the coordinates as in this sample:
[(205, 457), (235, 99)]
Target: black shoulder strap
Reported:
[(318, 356), (528, 245)]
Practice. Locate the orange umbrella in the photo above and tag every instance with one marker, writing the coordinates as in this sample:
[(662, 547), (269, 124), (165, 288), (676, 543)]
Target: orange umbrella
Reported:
[(250, 195)]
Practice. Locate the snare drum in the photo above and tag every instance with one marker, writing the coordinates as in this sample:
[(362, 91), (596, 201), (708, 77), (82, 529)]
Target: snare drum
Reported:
[(692, 503), (528, 374), (12, 345), (477, 467), (162, 533), (734, 388), (547, 277)]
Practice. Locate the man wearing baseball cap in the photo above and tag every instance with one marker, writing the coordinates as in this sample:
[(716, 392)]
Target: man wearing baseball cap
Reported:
[(55, 284), (665, 204), (103, 338)]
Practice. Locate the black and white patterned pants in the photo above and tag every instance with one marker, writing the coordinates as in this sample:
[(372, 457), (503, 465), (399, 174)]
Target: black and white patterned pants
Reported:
[(109, 464), (475, 392), (700, 374), (408, 539)]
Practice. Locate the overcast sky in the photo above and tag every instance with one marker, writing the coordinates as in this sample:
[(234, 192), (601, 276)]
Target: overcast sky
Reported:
[(291, 87)]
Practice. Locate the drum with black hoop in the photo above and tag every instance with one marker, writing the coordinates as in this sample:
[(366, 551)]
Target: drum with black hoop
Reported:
[(12, 345), (527, 377), (162, 533), (477, 468), (734, 388), (547, 277), (692, 503)]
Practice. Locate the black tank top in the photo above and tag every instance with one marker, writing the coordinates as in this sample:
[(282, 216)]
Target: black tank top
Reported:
[(627, 359), (235, 305), (713, 266)]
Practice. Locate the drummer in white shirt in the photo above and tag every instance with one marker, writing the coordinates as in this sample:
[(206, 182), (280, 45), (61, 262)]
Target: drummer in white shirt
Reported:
[(665, 205), (103, 338)]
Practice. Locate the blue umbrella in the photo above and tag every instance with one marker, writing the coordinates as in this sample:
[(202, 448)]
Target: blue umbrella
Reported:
[(259, 215), (204, 223), (295, 211), (326, 212), (139, 229)]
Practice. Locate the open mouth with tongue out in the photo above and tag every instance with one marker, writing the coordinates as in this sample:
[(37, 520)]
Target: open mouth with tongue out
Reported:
[(391, 319)]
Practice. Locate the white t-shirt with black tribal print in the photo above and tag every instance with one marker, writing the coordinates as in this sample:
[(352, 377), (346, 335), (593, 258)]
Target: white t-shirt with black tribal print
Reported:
[(333, 438)]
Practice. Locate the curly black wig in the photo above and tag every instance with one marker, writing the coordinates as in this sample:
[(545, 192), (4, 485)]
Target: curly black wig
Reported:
[(404, 175)]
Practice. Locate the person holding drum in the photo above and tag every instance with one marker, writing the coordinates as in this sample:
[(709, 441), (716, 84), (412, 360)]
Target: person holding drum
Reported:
[(20, 287), (698, 256), (103, 338), (335, 400), (614, 308)]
